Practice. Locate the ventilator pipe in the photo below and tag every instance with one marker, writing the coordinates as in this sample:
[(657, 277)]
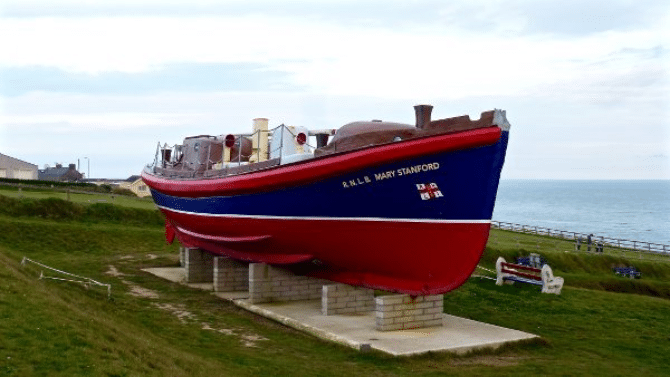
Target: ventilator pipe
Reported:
[(228, 144), (259, 140), (321, 140), (422, 115), (322, 136)]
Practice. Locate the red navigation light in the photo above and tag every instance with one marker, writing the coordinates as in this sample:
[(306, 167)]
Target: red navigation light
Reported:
[(230, 141), (301, 138)]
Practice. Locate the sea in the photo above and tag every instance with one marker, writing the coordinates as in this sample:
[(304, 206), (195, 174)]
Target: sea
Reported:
[(625, 209)]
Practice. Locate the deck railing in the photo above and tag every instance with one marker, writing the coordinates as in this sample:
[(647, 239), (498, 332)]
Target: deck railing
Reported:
[(176, 152), (569, 235)]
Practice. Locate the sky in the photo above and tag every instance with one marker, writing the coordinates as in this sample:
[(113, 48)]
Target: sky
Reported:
[(586, 84)]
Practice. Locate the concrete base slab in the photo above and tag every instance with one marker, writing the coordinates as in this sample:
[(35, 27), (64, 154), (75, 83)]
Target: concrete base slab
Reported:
[(232, 296), (177, 275), (458, 335)]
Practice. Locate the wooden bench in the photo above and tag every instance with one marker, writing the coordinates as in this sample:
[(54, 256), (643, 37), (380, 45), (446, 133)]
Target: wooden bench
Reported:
[(630, 272), (544, 277)]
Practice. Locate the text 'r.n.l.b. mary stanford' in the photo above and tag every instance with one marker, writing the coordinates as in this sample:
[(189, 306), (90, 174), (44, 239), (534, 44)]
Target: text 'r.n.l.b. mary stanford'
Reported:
[(383, 205), (390, 174)]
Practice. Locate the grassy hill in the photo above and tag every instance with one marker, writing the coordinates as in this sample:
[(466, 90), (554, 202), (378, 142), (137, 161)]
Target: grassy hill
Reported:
[(154, 327)]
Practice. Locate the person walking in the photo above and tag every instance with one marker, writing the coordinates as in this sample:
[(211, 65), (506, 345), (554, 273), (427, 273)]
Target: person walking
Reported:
[(578, 245), (588, 242)]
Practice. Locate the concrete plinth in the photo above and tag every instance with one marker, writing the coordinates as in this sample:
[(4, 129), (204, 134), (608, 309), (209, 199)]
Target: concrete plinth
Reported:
[(199, 266), (273, 284), (358, 330), (342, 299), (401, 312), (230, 275)]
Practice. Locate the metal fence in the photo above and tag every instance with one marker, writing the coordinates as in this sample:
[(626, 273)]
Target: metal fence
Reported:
[(568, 235)]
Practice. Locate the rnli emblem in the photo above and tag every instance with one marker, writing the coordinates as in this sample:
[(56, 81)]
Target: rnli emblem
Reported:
[(429, 191)]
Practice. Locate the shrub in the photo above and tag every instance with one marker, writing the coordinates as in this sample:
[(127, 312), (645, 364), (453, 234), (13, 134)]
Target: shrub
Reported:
[(122, 191)]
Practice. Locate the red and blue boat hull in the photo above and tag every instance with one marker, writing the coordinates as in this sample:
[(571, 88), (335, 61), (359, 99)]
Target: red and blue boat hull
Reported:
[(410, 217)]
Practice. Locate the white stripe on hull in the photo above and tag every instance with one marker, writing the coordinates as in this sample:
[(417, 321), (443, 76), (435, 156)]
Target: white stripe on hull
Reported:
[(317, 218)]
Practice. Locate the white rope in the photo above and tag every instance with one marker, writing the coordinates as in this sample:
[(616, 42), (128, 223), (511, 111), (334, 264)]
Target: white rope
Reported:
[(482, 277), (85, 282), (486, 269)]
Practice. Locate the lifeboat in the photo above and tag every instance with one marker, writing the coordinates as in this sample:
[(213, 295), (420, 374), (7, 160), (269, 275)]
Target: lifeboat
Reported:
[(383, 205)]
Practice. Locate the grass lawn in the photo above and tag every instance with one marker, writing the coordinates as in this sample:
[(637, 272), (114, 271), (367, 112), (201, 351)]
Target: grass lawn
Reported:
[(154, 327)]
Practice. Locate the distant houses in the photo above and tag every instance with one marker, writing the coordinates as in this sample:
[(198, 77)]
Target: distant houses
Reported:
[(135, 184), (60, 174), (14, 168)]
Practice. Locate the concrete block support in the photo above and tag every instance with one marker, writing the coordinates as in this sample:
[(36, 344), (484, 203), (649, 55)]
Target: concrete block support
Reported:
[(269, 284), (230, 275), (400, 312), (199, 265), (342, 298)]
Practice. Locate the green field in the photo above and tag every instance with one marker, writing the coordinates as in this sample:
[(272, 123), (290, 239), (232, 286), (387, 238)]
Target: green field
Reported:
[(599, 325)]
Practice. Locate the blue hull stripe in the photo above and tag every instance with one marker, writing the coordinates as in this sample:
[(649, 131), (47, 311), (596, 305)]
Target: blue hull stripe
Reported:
[(467, 182)]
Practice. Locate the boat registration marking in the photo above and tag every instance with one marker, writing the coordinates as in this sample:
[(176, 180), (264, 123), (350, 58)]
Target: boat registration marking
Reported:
[(404, 171)]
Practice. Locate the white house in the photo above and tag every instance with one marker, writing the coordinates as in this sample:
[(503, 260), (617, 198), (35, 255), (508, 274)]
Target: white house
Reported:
[(135, 184), (11, 167)]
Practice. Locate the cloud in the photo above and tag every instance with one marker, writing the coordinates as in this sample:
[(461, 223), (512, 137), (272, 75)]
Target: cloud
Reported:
[(200, 77), (565, 17), (98, 78), (319, 57), (583, 18)]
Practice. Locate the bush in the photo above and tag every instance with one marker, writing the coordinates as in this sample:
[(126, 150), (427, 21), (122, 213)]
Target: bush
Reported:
[(75, 185), (122, 191), (110, 212), (62, 186)]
